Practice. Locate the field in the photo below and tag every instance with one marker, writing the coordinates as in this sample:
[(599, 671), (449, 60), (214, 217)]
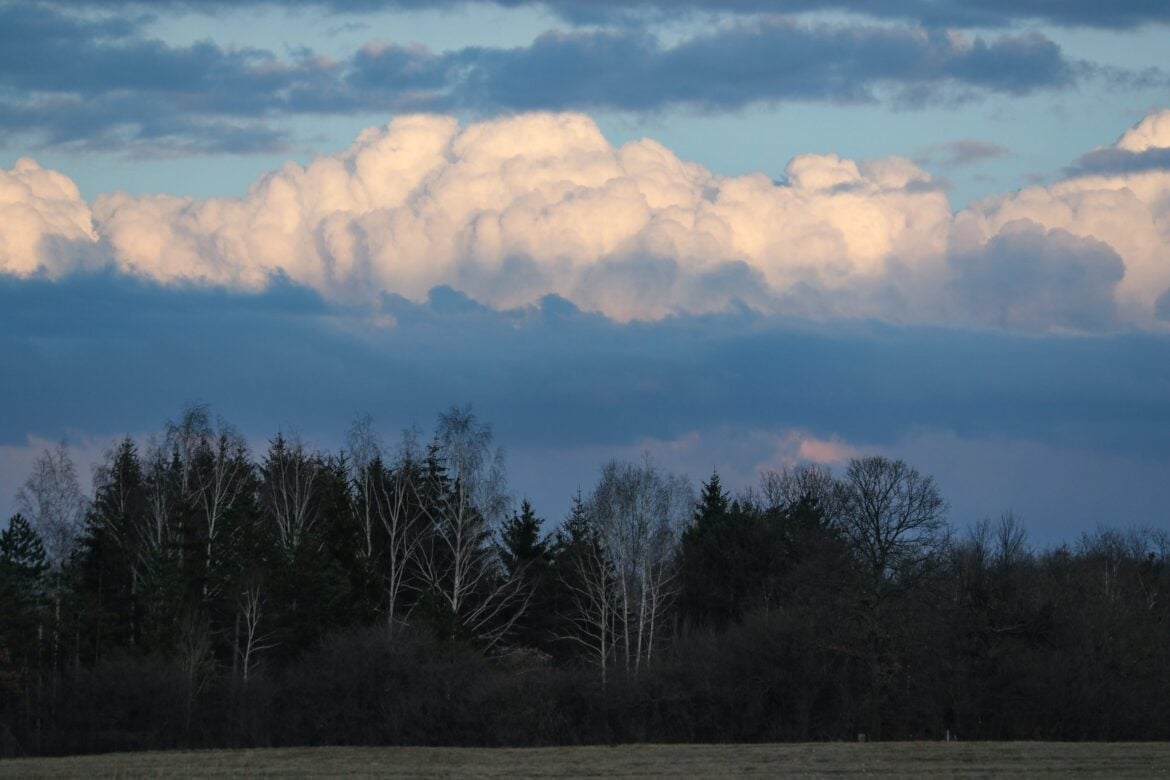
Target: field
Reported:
[(966, 759)]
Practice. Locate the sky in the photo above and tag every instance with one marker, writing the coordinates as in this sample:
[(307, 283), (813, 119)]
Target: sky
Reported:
[(737, 235)]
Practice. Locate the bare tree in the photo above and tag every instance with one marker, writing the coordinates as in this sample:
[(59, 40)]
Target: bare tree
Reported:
[(185, 440), (894, 520), (289, 490), (639, 514), (1011, 540), (157, 529), (785, 489), (459, 562), (221, 478), (251, 641), (397, 503), (389, 507), (52, 501), (365, 452), (195, 657), (196, 475), (593, 602)]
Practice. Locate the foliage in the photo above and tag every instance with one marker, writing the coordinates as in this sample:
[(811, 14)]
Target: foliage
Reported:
[(207, 597)]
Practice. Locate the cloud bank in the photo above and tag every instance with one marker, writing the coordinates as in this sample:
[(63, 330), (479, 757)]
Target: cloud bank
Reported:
[(567, 390), (510, 210), (1120, 14), (93, 81)]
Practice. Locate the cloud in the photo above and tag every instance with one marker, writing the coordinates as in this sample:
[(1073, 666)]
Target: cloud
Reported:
[(1121, 14), (92, 82), (41, 213), (1145, 147), (1027, 277), (767, 60), (514, 209), (1104, 162), (955, 154), (96, 83), (1129, 210), (566, 389), (1162, 306)]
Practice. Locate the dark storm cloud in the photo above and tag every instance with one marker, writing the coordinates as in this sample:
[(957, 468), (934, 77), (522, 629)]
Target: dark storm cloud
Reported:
[(556, 376), (100, 84), (97, 355)]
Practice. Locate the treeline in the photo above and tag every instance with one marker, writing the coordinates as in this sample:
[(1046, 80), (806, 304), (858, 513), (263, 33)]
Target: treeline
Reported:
[(392, 595)]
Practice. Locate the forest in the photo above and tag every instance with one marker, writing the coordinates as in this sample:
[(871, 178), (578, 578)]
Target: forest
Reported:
[(395, 594)]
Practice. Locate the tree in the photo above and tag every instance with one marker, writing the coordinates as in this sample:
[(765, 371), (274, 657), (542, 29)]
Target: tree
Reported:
[(289, 477), (587, 602), (713, 499), (522, 548), (639, 513), (52, 501), (893, 521), (223, 474), (785, 489), (459, 561), (731, 557), (23, 565), (109, 564), (396, 498), (526, 557), (251, 638), (365, 461)]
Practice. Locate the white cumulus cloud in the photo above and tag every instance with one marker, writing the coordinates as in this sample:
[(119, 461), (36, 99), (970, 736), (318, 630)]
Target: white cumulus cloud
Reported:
[(39, 209), (512, 209)]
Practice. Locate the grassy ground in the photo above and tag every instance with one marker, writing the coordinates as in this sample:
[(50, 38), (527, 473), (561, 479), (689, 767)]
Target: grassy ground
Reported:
[(966, 759)]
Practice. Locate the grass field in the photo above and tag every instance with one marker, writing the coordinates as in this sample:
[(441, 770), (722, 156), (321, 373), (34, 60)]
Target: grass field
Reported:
[(933, 759)]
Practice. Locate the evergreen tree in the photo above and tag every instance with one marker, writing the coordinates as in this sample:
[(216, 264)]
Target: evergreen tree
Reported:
[(713, 501), (523, 551), (23, 569), (731, 559), (106, 568), (526, 555)]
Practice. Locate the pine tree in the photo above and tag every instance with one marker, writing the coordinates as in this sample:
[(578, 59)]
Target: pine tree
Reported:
[(713, 501), (106, 568), (522, 550), (526, 555), (23, 570)]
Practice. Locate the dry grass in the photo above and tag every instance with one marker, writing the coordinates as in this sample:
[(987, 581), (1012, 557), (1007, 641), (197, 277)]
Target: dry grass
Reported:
[(933, 759)]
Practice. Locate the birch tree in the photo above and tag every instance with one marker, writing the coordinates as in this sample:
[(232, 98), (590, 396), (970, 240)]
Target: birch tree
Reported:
[(222, 476), (52, 501), (398, 508), (288, 489), (251, 638), (587, 577), (458, 561), (639, 514), (365, 461)]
